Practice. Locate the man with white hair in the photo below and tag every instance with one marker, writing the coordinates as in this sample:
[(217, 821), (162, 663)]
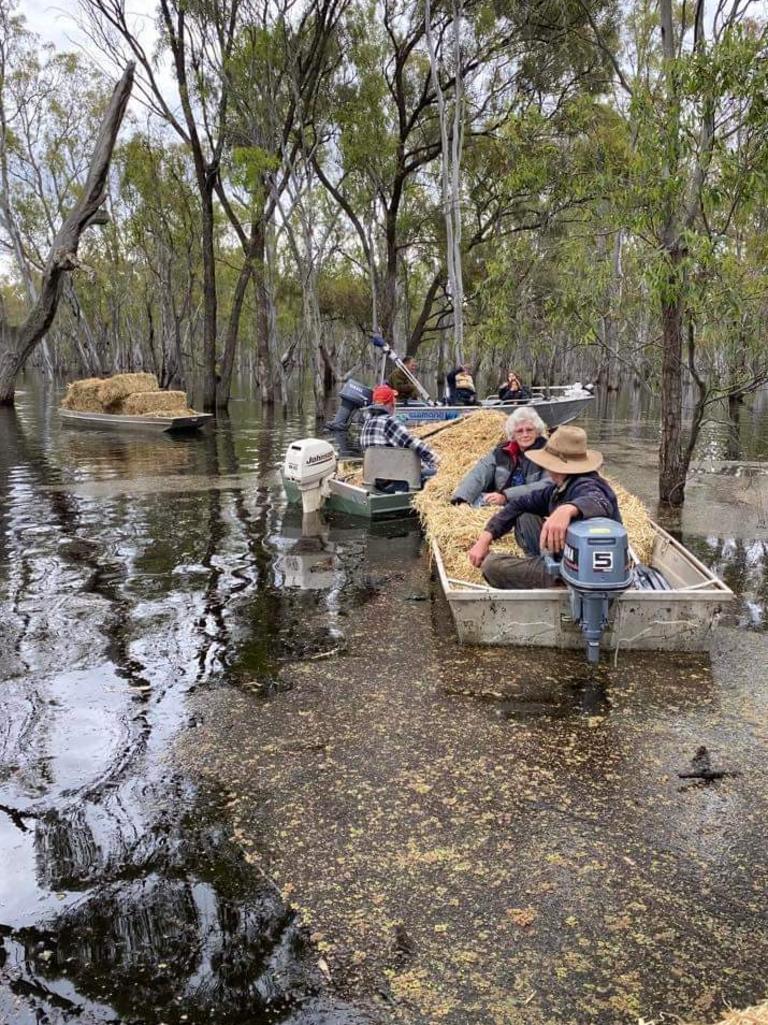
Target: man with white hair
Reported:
[(506, 472)]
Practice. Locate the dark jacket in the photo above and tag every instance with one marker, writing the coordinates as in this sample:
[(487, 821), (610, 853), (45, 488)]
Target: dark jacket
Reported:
[(405, 389), (589, 492), (507, 394), (500, 471), (459, 396)]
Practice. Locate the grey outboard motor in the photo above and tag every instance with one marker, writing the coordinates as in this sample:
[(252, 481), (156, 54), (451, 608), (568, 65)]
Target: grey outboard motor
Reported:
[(353, 396), (596, 567)]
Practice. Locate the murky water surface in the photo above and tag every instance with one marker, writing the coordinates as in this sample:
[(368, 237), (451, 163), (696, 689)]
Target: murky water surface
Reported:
[(135, 571)]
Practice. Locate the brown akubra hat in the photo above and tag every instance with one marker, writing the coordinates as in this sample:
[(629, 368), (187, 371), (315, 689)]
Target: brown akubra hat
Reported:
[(567, 452)]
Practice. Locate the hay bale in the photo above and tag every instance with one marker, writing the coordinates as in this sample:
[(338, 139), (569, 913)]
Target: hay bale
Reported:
[(84, 396), (174, 411), (120, 386), (455, 528), (757, 1015), (153, 402)]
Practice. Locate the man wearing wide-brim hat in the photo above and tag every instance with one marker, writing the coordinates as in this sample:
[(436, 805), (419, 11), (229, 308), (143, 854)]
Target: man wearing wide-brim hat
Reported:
[(540, 518)]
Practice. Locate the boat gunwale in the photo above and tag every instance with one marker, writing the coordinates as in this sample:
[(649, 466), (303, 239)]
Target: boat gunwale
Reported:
[(407, 409), (371, 505), (134, 420), (469, 591)]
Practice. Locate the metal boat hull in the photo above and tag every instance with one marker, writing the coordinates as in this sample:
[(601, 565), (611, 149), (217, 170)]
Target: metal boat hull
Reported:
[(358, 501), (681, 619), (154, 424), (552, 411)]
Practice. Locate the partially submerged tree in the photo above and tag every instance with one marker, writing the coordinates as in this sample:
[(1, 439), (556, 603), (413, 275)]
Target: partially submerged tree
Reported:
[(697, 118), (199, 39), (17, 342)]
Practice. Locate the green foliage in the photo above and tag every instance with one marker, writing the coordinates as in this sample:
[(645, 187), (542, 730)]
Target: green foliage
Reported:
[(557, 164)]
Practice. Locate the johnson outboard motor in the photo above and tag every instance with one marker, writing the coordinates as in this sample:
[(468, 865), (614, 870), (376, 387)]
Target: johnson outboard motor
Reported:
[(309, 465), (353, 396), (596, 566)]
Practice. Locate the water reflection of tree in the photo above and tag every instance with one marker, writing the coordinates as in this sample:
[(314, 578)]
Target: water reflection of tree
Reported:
[(743, 565), (182, 925), (159, 886)]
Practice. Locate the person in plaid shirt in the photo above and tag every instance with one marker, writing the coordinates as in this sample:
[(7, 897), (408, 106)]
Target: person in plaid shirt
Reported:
[(381, 428)]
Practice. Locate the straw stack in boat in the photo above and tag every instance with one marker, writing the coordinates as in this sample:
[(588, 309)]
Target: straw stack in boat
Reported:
[(757, 1015), (130, 394), (83, 396), (455, 527), (113, 390), (154, 402)]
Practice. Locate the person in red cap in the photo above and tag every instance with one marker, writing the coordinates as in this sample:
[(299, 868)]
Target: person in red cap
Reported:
[(381, 428)]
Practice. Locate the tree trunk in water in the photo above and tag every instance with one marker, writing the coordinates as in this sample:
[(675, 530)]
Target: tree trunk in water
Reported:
[(17, 343), (209, 300), (672, 463), (263, 360), (233, 331)]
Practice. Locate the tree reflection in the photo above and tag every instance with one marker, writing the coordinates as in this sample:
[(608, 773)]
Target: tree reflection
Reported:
[(184, 927)]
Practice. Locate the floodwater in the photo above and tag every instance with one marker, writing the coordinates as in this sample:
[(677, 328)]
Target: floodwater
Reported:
[(141, 578)]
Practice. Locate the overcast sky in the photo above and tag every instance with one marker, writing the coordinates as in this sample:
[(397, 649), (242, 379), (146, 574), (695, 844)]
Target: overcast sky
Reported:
[(57, 22)]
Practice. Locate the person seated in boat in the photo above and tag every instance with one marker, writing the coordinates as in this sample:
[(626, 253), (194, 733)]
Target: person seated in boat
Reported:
[(506, 472), (541, 517), (401, 383), (513, 390), (461, 387), (381, 428)]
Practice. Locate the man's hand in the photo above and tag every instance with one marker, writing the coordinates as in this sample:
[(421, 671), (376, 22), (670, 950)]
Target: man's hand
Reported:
[(495, 498), (480, 549), (552, 537)]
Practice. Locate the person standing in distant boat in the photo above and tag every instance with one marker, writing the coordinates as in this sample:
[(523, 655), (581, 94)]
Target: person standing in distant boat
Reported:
[(513, 390), (401, 383)]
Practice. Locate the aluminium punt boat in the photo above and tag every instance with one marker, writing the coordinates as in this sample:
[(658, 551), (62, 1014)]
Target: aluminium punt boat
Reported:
[(145, 422), (680, 618), (555, 406), (357, 499)]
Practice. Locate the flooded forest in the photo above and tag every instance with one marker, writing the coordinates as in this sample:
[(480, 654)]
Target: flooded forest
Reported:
[(248, 772)]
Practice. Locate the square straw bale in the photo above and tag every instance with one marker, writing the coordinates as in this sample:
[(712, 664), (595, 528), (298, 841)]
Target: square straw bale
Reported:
[(153, 402), (117, 387), (171, 413), (84, 396)]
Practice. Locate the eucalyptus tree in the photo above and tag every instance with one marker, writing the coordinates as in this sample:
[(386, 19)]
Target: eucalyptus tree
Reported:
[(18, 341), (694, 83), (198, 39), (51, 105), (157, 261), (451, 142), (377, 153), (277, 75)]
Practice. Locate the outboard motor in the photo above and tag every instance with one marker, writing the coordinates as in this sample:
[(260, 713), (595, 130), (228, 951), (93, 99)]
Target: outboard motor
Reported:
[(353, 396), (310, 464), (596, 567)]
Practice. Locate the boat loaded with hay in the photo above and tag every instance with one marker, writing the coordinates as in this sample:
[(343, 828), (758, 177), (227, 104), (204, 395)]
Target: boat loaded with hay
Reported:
[(129, 401), (555, 404), (672, 603)]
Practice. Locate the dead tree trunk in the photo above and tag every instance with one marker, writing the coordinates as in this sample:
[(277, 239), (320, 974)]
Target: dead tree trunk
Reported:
[(18, 342)]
